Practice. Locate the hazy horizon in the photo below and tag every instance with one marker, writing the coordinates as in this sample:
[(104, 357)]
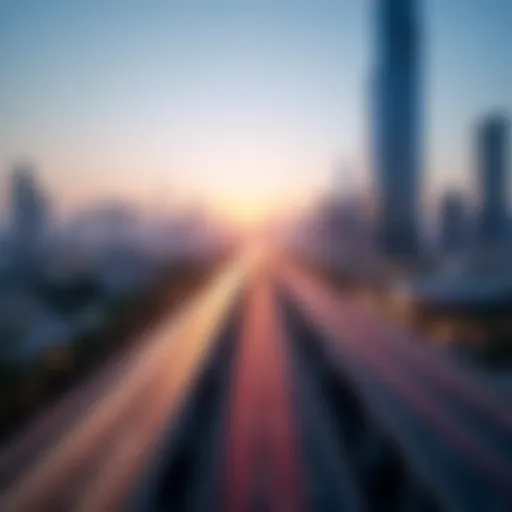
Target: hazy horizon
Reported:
[(244, 107)]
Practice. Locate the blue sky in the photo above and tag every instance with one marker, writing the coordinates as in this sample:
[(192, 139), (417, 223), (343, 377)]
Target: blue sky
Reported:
[(243, 103)]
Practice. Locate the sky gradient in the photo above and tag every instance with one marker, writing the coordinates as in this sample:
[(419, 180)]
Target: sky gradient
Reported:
[(242, 103)]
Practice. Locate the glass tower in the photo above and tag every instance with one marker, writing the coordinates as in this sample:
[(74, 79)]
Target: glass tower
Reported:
[(397, 125)]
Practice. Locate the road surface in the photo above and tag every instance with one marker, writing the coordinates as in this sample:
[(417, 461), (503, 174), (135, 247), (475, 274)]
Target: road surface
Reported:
[(269, 391)]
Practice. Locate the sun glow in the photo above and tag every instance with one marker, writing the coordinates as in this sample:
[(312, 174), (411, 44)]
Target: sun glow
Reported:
[(246, 210)]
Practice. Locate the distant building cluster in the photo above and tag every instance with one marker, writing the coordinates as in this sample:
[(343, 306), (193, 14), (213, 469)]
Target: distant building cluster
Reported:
[(397, 143), (461, 260), (475, 229), (60, 278)]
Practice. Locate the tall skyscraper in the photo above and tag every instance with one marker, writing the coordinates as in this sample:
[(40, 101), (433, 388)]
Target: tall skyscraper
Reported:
[(397, 125), (28, 215), (492, 162)]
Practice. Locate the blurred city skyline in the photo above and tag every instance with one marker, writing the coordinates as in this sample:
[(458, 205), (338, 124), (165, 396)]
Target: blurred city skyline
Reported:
[(255, 254), (247, 108)]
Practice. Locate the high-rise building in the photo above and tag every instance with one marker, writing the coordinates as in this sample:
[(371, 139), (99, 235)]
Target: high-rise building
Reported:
[(454, 223), (28, 215), (492, 163), (396, 123)]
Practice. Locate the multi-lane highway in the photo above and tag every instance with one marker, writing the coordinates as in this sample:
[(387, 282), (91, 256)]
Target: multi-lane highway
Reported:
[(269, 391)]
